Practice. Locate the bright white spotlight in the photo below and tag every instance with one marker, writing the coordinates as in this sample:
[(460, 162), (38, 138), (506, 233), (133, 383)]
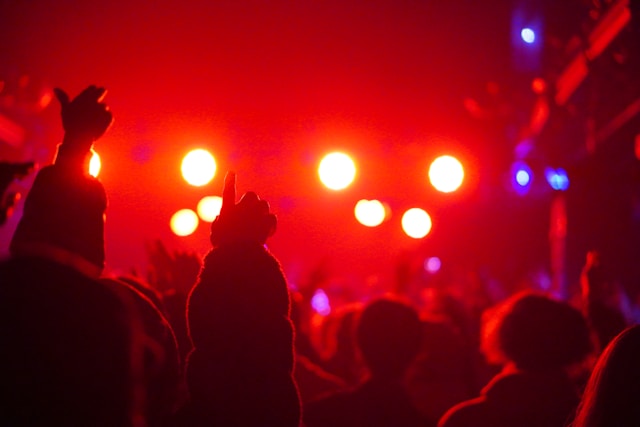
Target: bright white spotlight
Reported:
[(416, 223), (337, 171), (370, 213), (528, 35), (209, 208), (184, 222), (94, 164), (198, 167), (446, 174)]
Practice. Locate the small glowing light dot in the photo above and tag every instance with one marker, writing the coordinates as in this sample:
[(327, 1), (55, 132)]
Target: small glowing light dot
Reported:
[(522, 178), (94, 164), (320, 303), (557, 179), (538, 85), (184, 222), (337, 171), (198, 167), (446, 174), (432, 264), (528, 35), (209, 208), (416, 223), (370, 213)]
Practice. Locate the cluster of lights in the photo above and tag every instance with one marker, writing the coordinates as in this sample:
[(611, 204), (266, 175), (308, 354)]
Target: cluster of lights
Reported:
[(337, 171), (522, 178), (198, 168)]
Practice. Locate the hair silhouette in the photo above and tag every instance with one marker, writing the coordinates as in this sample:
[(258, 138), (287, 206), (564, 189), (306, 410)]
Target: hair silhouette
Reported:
[(611, 395)]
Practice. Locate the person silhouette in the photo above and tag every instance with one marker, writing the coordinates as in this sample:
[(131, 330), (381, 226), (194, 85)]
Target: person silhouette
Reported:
[(536, 339), (69, 344), (611, 395), (388, 335), (240, 371)]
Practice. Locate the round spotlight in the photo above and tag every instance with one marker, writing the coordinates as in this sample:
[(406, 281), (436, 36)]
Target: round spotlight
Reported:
[(94, 164), (198, 167), (184, 222), (446, 174), (416, 223), (521, 176), (370, 213), (432, 265), (209, 208), (320, 303), (528, 35), (337, 171)]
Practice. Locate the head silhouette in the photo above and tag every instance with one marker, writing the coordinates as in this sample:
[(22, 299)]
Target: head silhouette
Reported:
[(612, 395), (389, 336), (536, 333)]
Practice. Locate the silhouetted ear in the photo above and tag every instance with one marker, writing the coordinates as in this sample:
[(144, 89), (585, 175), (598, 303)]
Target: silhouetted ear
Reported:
[(62, 96)]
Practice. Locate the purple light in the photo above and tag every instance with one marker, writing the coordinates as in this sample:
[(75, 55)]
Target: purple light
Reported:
[(521, 176), (320, 303), (432, 264), (528, 35)]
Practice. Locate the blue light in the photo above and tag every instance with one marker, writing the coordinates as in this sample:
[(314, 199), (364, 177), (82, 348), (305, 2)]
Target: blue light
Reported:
[(528, 35), (521, 176), (557, 179)]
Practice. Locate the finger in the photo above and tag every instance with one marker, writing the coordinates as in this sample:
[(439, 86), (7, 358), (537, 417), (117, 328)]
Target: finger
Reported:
[(100, 93), (229, 192), (62, 96), (91, 94)]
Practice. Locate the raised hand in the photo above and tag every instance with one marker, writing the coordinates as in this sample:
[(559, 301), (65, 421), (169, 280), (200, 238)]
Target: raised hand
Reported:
[(248, 221), (85, 118)]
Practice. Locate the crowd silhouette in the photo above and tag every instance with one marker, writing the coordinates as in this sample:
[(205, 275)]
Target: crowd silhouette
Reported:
[(223, 341)]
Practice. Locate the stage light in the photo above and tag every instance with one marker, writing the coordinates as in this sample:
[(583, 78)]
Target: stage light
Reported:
[(557, 179), (446, 174), (337, 171), (94, 164), (528, 35), (198, 167), (416, 223), (184, 222), (209, 208), (521, 176), (320, 303), (432, 265), (370, 213)]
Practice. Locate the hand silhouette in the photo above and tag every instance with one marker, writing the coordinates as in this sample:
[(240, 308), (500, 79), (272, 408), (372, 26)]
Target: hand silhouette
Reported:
[(248, 221), (85, 118)]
